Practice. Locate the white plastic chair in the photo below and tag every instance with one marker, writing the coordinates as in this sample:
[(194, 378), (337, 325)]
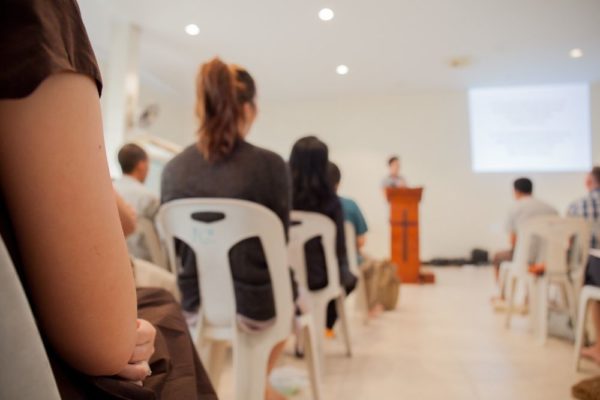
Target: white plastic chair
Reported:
[(304, 227), (567, 247), (588, 294), (25, 372), (562, 268), (516, 272), (361, 296), (233, 221), (150, 275), (157, 254)]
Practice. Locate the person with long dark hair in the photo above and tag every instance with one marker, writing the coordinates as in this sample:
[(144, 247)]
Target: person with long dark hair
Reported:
[(313, 191), (223, 164)]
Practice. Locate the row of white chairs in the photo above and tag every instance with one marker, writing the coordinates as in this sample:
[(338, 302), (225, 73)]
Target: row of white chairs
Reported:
[(562, 245), (564, 248)]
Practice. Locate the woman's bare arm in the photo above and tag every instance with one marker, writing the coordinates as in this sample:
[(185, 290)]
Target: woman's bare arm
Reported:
[(55, 180)]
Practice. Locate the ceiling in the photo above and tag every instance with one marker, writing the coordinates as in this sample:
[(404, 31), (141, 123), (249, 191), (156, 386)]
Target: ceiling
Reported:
[(390, 46)]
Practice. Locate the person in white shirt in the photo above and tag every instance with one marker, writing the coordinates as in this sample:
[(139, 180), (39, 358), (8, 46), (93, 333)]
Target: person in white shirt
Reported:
[(135, 165), (525, 208)]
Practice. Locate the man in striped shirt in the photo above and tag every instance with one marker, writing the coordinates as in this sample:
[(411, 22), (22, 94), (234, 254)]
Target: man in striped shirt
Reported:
[(588, 207)]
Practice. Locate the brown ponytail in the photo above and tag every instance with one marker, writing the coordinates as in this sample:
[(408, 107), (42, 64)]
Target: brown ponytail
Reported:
[(221, 92)]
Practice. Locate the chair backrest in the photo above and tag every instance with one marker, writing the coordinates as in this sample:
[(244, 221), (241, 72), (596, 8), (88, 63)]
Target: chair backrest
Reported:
[(158, 257), (528, 233), (351, 248), (304, 227), (568, 245), (25, 372), (564, 243), (211, 227)]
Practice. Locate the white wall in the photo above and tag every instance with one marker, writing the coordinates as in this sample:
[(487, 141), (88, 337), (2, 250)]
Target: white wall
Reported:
[(460, 210), (176, 120)]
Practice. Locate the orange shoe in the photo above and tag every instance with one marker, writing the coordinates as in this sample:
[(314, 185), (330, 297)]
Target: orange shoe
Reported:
[(329, 334)]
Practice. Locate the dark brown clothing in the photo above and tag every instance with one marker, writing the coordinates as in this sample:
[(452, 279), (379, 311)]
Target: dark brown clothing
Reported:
[(39, 38), (176, 369)]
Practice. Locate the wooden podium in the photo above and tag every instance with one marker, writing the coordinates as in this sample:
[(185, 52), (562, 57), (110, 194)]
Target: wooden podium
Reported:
[(404, 222)]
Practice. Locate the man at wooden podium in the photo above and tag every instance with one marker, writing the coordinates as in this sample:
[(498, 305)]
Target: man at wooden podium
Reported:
[(394, 179), (404, 224)]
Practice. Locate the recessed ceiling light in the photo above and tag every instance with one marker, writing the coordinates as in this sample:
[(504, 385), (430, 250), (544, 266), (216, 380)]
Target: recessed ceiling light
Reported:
[(326, 14), (576, 53), (192, 29), (342, 69)]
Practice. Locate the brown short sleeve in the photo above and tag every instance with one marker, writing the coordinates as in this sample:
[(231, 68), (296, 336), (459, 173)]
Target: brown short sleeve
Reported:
[(39, 38)]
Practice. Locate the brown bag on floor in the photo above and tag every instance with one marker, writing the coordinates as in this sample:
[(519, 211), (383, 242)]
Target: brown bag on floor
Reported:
[(370, 274), (588, 389), (383, 286), (388, 285)]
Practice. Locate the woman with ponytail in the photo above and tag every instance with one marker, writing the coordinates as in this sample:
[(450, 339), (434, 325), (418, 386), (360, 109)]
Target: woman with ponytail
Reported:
[(223, 164)]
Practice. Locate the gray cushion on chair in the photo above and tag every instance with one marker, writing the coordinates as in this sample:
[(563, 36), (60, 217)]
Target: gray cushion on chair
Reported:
[(25, 371)]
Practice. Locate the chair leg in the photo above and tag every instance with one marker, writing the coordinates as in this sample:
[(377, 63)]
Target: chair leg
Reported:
[(318, 312), (215, 361), (343, 319), (580, 330), (361, 300), (363, 297), (503, 276), (312, 359), (510, 299), (571, 302), (250, 361), (541, 307)]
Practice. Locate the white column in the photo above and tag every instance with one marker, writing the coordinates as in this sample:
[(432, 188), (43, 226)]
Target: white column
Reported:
[(121, 89)]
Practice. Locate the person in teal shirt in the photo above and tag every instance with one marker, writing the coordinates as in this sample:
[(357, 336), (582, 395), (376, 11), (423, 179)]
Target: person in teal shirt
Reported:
[(352, 212)]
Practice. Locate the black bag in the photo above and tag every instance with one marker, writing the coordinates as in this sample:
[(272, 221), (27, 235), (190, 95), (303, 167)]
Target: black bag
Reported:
[(479, 257)]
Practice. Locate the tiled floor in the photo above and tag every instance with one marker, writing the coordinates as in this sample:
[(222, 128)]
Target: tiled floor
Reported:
[(444, 342)]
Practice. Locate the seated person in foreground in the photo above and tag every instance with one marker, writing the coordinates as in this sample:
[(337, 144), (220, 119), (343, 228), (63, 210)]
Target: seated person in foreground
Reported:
[(134, 165), (312, 191), (223, 164), (65, 239), (588, 207), (525, 208)]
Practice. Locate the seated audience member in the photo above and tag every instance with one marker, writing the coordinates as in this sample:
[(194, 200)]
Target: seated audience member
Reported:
[(223, 164), (127, 216), (394, 179), (65, 239), (352, 212), (525, 208), (312, 191), (354, 215), (134, 165), (588, 207)]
